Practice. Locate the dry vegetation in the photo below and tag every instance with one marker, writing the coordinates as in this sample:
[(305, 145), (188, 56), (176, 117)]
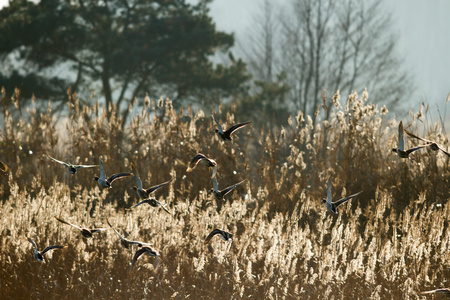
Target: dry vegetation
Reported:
[(391, 242)]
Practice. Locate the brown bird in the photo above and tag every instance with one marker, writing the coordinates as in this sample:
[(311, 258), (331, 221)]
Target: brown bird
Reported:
[(433, 145), (87, 233), (219, 194), (72, 168), (401, 152), (104, 182), (226, 236), (203, 159), (125, 242), (39, 255), (444, 291), (152, 202), (141, 251), (226, 136)]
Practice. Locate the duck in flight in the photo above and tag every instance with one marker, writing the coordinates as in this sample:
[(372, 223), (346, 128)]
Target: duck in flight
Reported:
[(332, 206), (144, 193), (226, 236), (226, 135), (104, 182), (39, 255), (204, 160), (87, 233), (72, 168), (125, 242), (401, 152), (433, 145), (219, 194)]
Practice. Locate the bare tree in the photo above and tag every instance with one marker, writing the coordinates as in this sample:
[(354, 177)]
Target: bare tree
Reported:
[(329, 45)]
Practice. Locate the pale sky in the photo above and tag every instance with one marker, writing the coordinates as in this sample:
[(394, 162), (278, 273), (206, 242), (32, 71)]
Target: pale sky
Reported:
[(422, 26)]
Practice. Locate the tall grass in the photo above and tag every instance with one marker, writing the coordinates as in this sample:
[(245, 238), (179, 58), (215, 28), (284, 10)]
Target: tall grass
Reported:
[(391, 242)]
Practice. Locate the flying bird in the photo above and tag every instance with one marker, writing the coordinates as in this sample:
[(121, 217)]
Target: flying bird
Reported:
[(104, 182), (433, 145), (203, 159), (226, 136), (87, 233), (125, 242), (226, 236), (401, 144), (72, 168), (39, 255), (144, 193), (219, 194), (332, 206), (141, 251)]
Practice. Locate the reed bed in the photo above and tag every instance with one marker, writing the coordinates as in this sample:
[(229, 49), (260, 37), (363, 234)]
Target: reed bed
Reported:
[(391, 242)]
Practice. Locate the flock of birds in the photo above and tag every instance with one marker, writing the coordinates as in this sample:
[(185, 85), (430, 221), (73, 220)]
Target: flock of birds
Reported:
[(145, 194)]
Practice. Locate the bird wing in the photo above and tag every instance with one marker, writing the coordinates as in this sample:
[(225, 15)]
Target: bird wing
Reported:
[(120, 236), (329, 190), (211, 234), (215, 185), (416, 148), (218, 125), (142, 202), (230, 188), (137, 255), (163, 207), (213, 175), (443, 290), (33, 243), (50, 248), (58, 161), (194, 161), (84, 166), (73, 225), (117, 176), (98, 230), (136, 176), (445, 152), (154, 188), (102, 171), (401, 143), (4, 168), (236, 127), (343, 200), (416, 137)]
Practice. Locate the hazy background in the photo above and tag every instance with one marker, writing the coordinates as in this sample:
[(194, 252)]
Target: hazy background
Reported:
[(422, 28)]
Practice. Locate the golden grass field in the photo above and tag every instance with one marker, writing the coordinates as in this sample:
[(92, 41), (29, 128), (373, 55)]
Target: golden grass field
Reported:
[(391, 242)]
